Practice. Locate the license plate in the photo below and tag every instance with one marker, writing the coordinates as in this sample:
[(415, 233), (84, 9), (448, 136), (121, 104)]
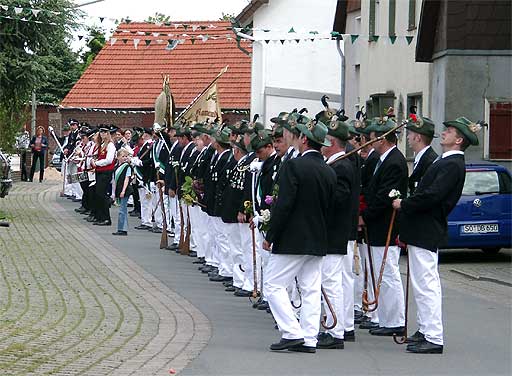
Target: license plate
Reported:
[(480, 229)]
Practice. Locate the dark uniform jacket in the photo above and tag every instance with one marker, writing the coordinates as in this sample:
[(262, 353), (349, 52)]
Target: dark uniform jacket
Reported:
[(298, 224), (265, 181), (184, 166), (423, 216), (357, 162), (198, 171), (170, 169), (217, 167), (425, 161), (367, 169), (248, 183), (147, 170), (221, 186), (73, 137), (233, 194), (392, 174), (341, 219)]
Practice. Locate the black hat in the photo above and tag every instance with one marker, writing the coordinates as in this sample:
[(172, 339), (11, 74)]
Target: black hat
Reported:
[(72, 121), (113, 129), (104, 128), (148, 131)]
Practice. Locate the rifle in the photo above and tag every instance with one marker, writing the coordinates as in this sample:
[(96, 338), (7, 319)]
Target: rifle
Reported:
[(181, 244), (163, 239), (186, 244)]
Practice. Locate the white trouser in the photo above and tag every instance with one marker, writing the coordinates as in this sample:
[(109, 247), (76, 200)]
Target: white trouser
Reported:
[(363, 252), (332, 282), (236, 253), (348, 287), (200, 228), (391, 296), (210, 255), (280, 272), (175, 213), (156, 206), (68, 190), (195, 225), (426, 287), (246, 246), (168, 212), (358, 279), (145, 207), (262, 258), (223, 253)]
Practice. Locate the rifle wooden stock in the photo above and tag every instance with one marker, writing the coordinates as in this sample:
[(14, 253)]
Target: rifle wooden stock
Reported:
[(164, 241), (186, 243)]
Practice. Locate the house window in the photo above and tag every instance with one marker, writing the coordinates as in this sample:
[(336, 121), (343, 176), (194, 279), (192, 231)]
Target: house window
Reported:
[(371, 23), (412, 15), (378, 103), (392, 12), (500, 130), (416, 100)]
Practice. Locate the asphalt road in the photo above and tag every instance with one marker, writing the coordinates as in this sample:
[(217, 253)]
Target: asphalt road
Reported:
[(477, 321)]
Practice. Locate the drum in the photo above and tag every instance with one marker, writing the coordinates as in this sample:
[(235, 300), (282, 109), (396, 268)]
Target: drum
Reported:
[(83, 177), (73, 178)]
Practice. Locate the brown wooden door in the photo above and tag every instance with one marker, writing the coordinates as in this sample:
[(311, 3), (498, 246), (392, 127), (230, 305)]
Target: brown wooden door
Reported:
[(500, 130)]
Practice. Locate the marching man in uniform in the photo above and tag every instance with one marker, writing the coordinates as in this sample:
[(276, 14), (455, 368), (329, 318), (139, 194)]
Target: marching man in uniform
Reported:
[(424, 227), (297, 239)]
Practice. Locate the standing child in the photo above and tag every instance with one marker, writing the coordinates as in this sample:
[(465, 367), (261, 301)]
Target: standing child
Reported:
[(122, 177)]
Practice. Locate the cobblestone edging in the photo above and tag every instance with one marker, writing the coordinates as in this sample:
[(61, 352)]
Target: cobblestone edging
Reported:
[(72, 304)]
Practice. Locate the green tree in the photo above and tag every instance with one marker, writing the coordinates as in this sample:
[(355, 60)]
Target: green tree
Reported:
[(158, 18), (95, 42), (23, 47)]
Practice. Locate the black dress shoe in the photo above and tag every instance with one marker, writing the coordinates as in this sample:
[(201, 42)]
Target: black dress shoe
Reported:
[(416, 337), (172, 247), (90, 219), (81, 209), (425, 347), (157, 230), (192, 254), (303, 349), (327, 341), (76, 200), (219, 278), (242, 293), (86, 212), (369, 325), (141, 227), (103, 223), (134, 214), (121, 233), (200, 260), (284, 344), (388, 332), (230, 288), (350, 336), (262, 306)]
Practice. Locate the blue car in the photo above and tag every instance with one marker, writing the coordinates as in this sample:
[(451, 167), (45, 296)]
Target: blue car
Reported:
[(483, 216)]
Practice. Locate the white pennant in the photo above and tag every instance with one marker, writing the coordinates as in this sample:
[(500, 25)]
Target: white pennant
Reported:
[(35, 12), (113, 41), (194, 27), (136, 42), (156, 34), (4, 7), (18, 10)]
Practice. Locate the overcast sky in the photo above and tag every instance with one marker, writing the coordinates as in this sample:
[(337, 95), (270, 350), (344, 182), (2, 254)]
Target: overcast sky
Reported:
[(136, 10)]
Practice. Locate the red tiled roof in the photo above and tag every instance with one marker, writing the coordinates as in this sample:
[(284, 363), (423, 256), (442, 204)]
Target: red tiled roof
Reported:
[(124, 77)]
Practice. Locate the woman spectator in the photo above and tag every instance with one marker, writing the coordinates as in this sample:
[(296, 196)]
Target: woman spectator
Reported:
[(38, 144), (104, 166)]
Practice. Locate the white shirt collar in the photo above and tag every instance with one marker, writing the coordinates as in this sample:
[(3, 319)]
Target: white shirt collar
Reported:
[(370, 152), (452, 152), (310, 151), (420, 154), (383, 156), (334, 156)]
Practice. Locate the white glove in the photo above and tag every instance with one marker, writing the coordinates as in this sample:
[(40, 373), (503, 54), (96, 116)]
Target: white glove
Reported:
[(255, 166), (136, 161), (257, 219), (152, 187)]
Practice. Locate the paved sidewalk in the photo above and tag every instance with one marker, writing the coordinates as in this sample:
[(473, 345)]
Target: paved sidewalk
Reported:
[(72, 304)]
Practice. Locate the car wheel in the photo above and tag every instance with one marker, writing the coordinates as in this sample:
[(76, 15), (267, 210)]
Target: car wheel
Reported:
[(491, 251)]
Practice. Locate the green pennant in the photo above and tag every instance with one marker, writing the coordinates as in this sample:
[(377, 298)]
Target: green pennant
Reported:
[(392, 38), (291, 30), (202, 27), (193, 40), (373, 38), (313, 32), (167, 23), (409, 39), (353, 37), (266, 30), (147, 33), (148, 42), (335, 34), (185, 26)]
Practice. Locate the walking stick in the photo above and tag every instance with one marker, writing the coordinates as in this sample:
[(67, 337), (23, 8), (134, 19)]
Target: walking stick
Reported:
[(372, 275), (254, 271), (403, 339), (163, 239), (331, 309), (181, 244), (382, 266)]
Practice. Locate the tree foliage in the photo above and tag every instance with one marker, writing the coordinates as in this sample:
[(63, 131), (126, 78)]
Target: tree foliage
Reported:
[(95, 42), (158, 18), (25, 47)]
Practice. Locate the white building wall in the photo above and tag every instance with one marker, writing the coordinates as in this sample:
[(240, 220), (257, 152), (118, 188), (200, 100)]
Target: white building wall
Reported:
[(305, 70)]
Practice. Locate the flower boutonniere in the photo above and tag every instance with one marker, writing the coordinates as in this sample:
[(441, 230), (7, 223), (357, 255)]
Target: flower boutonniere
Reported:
[(394, 194)]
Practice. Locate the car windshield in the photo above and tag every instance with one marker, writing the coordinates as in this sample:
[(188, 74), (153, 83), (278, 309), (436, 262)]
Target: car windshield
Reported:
[(479, 182)]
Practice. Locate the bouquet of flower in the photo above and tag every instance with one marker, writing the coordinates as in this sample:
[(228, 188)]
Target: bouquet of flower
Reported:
[(248, 208), (394, 194), (189, 195), (265, 220)]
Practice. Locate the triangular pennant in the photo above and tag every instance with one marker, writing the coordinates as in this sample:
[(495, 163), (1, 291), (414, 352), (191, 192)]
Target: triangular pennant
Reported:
[(185, 26), (211, 26), (147, 41), (291, 30), (18, 10), (353, 37), (4, 7), (374, 38), (127, 20), (194, 27), (133, 32), (80, 37), (156, 34), (282, 41), (392, 38), (177, 25), (313, 32), (297, 40), (409, 39), (113, 41), (204, 38), (193, 40), (147, 33), (125, 40), (167, 24), (267, 40), (202, 27), (140, 33), (136, 42), (266, 30), (312, 40), (101, 19), (35, 12)]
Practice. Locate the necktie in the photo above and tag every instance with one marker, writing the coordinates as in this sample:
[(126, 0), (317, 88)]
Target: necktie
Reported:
[(377, 166)]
